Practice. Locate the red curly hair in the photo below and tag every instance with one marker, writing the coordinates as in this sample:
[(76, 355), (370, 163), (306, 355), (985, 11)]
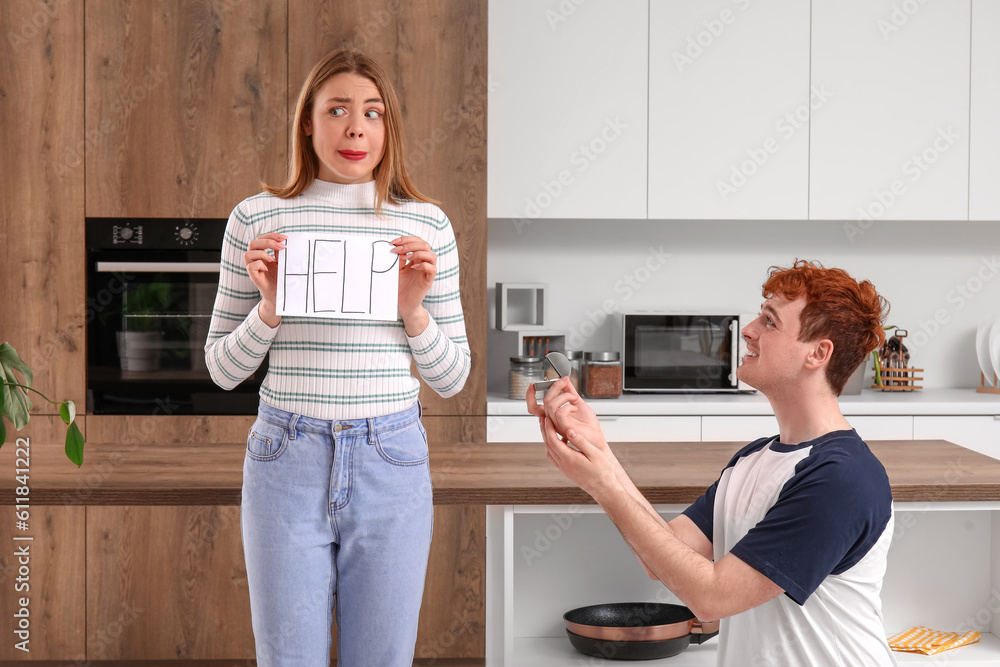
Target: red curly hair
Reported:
[(848, 313)]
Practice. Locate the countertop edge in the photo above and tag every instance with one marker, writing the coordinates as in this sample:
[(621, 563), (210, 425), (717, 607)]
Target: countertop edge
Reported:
[(466, 496), (937, 402)]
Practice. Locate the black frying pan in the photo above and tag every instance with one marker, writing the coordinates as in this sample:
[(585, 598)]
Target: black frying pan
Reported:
[(635, 630)]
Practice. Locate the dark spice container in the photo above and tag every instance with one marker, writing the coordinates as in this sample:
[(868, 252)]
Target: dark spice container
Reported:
[(601, 375)]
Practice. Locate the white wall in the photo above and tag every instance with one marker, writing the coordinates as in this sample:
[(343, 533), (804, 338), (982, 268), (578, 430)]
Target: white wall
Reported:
[(941, 278)]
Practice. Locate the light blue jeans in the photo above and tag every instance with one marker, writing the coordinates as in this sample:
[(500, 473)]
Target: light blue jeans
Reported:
[(336, 515)]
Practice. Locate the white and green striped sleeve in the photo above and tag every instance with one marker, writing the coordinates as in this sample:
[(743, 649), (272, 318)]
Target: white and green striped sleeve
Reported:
[(441, 351), (238, 339)]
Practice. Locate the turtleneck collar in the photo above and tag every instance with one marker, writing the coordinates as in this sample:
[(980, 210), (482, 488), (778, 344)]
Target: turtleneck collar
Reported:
[(354, 194)]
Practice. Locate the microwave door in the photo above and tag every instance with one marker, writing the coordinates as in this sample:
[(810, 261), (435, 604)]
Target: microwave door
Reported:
[(734, 358)]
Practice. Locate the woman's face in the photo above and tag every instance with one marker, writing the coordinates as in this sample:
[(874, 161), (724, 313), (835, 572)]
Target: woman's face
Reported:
[(347, 128)]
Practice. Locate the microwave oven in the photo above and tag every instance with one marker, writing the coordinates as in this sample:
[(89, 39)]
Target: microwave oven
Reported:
[(687, 352)]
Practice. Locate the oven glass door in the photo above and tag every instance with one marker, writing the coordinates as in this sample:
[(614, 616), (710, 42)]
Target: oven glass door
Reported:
[(680, 352), (146, 352)]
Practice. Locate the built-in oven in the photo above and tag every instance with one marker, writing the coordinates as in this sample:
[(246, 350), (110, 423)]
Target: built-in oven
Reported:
[(151, 286), (682, 352)]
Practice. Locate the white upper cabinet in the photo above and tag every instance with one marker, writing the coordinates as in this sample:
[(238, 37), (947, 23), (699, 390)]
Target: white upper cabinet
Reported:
[(729, 106), (567, 109), (984, 158), (892, 142)]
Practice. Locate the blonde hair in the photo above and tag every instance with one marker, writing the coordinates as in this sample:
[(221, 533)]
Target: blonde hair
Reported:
[(392, 183)]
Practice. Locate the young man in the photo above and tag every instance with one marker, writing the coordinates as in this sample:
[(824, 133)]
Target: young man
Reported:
[(789, 546)]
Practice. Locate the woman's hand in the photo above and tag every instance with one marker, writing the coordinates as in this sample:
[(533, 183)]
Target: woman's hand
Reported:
[(263, 270), (417, 269)]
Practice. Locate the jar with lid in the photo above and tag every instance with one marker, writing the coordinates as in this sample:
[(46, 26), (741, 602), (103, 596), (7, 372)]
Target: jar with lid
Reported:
[(575, 360), (524, 371), (601, 375)]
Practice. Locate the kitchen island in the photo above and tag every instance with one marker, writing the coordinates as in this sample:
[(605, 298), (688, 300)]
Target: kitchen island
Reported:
[(549, 548)]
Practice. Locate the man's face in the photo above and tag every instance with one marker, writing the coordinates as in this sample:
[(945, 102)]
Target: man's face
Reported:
[(775, 355)]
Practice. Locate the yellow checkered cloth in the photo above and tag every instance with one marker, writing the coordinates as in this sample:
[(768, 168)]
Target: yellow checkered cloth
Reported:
[(927, 641)]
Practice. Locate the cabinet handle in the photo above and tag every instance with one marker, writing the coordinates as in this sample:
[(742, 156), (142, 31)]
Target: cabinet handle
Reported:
[(614, 418)]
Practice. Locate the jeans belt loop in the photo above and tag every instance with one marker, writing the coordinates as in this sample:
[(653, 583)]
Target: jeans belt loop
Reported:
[(291, 426), (371, 430)]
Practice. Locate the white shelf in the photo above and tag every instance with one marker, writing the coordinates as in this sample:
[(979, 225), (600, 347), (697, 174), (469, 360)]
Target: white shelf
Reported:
[(557, 652), (984, 652), (869, 402)]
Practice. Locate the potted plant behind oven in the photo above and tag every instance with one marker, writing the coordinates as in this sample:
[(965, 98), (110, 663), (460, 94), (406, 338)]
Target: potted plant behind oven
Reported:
[(15, 405), (140, 340)]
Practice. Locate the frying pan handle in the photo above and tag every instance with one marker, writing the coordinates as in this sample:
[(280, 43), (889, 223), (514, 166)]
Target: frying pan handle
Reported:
[(701, 632)]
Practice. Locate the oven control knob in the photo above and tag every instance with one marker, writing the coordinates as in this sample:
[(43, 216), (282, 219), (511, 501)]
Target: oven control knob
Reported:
[(187, 234), (125, 233)]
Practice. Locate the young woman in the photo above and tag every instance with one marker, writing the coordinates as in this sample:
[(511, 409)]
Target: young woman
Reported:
[(336, 510)]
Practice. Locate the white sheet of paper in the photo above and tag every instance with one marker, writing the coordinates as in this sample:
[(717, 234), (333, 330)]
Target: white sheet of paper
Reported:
[(338, 276)]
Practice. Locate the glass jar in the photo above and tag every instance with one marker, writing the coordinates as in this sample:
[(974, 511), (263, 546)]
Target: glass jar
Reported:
[(575, 360), (523, 372), (601, 375)]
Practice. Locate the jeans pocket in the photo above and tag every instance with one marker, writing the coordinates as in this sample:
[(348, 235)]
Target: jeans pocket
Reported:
[(406, 446), (266, 441)]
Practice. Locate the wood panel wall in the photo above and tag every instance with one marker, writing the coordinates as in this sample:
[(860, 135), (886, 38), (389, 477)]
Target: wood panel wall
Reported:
[(186, 102), (42, 146)]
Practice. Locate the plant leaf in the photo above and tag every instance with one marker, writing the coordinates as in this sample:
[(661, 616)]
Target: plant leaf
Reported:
[(3, 431), (16, 402), (74, 444), (10, 361), (67, 410)]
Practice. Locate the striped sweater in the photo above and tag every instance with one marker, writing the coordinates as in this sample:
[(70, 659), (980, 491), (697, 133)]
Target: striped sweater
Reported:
[(328, 368)]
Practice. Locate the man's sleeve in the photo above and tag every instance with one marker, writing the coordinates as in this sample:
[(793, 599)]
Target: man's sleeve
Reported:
[(702, 511), (827, 518)]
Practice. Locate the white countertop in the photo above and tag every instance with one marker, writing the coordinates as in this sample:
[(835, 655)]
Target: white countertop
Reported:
[(869, 402)]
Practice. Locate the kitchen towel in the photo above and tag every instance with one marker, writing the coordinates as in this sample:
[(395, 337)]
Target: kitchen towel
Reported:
[(927, 641)]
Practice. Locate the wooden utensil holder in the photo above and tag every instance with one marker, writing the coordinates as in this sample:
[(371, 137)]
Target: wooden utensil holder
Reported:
[(899, 379), (983, 389)]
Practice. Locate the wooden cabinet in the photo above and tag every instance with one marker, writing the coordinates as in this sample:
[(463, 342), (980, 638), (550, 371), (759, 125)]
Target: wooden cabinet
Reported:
[(186, 105), (51, 575), (984, 151), (43, 303), (435, 54), (568, 109), (52, 583), (171, 578), (892, 142), (729, 108)]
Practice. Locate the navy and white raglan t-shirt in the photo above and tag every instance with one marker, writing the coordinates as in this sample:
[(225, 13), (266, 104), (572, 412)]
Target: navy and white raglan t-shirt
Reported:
[(816, 519)]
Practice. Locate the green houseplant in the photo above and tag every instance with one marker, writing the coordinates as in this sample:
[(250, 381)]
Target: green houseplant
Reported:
[(15, 403)]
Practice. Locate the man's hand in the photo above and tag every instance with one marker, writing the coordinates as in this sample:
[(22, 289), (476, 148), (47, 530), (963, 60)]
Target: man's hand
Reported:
[(582, 461), (567, 410), (563, 412)]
